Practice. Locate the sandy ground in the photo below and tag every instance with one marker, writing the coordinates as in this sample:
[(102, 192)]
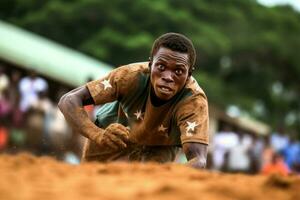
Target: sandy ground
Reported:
[(28, 177)]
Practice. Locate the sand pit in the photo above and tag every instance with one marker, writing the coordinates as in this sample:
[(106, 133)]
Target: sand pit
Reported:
[(28, 177)]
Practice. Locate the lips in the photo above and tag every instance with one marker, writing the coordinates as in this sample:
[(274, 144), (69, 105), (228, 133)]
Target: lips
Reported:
[(165, 89)]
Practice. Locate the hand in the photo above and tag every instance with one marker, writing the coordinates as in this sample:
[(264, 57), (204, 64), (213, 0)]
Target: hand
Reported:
[(115, 136)]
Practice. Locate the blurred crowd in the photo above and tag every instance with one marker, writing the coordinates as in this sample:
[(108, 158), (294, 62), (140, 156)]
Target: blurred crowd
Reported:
[(233, 151), (31, 121)]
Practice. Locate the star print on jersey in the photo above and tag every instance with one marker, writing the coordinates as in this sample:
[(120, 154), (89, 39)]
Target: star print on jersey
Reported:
[(162, 128), (191, 127), (138, 114), (106, 84)]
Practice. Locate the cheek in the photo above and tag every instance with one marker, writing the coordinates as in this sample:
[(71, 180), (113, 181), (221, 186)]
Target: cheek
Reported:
[(154, 76), (180, 82)]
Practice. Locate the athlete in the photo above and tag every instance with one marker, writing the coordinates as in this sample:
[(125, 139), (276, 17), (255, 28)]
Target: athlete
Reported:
[(148, 111)]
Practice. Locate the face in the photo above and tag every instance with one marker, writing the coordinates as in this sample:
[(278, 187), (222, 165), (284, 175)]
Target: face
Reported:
[(169, 72)]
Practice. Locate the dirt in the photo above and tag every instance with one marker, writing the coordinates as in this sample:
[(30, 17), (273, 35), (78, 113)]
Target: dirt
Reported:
[(27, 177)]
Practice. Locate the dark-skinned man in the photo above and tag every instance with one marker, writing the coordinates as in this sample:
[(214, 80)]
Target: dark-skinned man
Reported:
[(148, 111)]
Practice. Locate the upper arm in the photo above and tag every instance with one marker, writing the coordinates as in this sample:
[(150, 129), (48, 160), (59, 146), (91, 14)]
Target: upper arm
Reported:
[(84, 95), (77, 97), (192, 120)]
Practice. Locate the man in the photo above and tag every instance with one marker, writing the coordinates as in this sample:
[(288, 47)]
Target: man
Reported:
[(30, 87), (150, 109)]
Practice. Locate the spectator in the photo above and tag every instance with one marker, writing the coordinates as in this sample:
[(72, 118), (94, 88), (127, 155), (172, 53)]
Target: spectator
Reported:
[(5, 107), (222, 143), (279, 140), (268, 152), (14, 99), (29, 87), (239, 160), (291, 153), (3, 137), (35, 126), (256, 151), (14, 95), (4, 81), (276, 166)]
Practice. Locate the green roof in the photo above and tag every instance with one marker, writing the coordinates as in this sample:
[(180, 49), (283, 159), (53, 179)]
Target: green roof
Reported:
[(48, 58)]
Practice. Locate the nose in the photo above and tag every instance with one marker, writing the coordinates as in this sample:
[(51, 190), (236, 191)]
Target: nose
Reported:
[(167, 76)]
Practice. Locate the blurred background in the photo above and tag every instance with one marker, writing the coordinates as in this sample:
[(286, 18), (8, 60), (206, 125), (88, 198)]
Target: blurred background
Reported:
[(248, 63)]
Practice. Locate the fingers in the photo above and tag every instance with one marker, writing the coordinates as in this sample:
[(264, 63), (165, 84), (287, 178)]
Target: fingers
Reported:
[(119, 142), (115, 136), (122, 128), (110, 143), (119, 130)]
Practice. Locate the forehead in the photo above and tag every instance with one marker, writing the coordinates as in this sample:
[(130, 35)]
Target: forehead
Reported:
[(170, 55)]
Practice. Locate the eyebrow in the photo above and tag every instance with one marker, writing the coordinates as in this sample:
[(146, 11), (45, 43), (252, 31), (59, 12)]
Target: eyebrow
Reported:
[(182, 67)]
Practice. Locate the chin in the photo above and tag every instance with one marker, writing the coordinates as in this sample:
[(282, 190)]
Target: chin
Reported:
[(164, 97)]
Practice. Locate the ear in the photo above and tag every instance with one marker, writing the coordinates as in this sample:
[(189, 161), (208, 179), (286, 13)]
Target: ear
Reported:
[(150, 62), (188, 78), (191, 71)]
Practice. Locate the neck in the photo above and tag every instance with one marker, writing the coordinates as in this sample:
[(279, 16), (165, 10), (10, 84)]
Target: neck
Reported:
[(155, 100)]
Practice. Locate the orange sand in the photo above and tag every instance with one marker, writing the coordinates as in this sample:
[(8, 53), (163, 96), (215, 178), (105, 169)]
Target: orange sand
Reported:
[(27, 177)]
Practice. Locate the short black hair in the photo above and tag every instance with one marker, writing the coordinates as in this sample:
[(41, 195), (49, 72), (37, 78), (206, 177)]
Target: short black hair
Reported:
[(175, 42)]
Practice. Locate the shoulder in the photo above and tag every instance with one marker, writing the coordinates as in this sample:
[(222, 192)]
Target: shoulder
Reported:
[(192, 94), (193, 87), (131, 75), (133, 69), (193, 100)]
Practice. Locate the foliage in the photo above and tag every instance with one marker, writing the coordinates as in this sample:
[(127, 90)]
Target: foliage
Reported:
[(244, 49)]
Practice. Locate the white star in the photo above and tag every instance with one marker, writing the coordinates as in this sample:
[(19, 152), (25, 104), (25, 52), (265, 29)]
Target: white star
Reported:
[(106, 84), (191, 126), (138, 114), (162, 128)]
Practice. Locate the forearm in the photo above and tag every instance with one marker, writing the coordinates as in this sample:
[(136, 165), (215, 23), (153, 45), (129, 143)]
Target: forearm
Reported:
[(198, 163), (77, 117), (81, 123), (196, 154)]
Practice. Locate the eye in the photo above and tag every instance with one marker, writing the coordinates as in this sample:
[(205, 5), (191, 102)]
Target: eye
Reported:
[(161, 67), (179, 71)]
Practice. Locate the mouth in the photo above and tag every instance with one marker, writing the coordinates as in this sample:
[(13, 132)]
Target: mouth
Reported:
[(165, 89)]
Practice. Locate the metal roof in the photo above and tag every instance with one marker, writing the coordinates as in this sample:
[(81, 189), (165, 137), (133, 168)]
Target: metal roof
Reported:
[(48, 58), (245, 123)]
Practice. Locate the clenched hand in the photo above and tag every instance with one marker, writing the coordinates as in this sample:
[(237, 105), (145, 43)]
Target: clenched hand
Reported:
[(115, 136)]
